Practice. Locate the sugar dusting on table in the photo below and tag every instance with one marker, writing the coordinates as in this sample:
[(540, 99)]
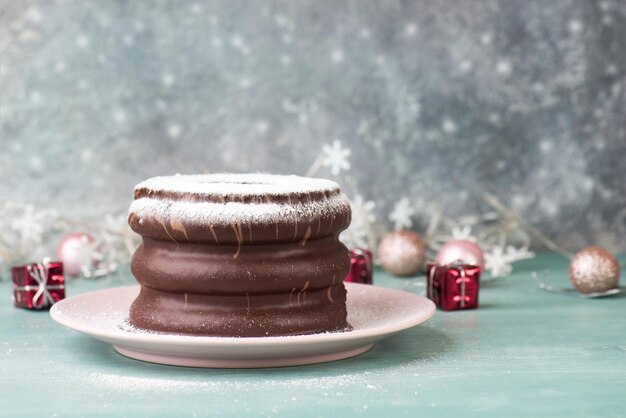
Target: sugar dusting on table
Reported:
[(149, 384)]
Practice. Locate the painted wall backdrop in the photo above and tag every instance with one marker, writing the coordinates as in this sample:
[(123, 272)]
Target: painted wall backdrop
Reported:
[(415, 106)]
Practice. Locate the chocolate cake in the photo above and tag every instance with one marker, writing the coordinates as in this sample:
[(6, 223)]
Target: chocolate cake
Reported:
[(243, 255)]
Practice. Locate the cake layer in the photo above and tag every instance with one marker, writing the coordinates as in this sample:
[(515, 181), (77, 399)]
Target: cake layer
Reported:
[(247, 188), (238, 209), (258, 269), (169, 224), (241, 315)]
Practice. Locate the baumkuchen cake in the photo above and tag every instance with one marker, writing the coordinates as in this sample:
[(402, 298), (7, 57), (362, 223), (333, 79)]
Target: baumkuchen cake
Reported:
[(240, 255)]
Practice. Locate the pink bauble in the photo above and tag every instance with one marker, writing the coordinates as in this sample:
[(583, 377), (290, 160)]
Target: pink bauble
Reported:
[(594, 270), (467, 251), (76, 253)]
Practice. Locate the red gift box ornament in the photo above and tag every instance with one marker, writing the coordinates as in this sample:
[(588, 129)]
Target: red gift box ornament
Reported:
[(453, 286), (361, 266), (38, 285)]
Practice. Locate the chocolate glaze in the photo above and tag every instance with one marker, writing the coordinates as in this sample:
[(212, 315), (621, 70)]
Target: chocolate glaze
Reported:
[(283, 230), (301, 312), (241, 279), (259, 269)]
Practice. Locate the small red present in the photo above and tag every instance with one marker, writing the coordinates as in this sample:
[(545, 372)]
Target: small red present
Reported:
[(38, 285), (361, 266), (453, 286)]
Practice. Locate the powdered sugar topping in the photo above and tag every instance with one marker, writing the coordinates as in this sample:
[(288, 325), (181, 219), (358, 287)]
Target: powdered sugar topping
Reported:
[(313, 198), (242, 185), (210, 213)]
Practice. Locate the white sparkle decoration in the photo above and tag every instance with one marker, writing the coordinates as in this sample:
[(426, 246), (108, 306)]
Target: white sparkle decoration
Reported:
[(34, 15), (36, 162), (410, 30), (196, 8), (285, 60), (86, 155), (611, 69), (337, 56), (237, 41), (262, 127), (35, 97), (545, 146), (60, 66), (504, 67), (466, 66), (174, 130), (449, 126), (167, 79), (575, 26), (245, 83), (82, 41), (119, 116), (239, 44)]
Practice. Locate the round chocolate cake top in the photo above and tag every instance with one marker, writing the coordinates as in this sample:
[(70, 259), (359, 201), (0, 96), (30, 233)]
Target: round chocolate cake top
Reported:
[(235, 187), (238, 208)]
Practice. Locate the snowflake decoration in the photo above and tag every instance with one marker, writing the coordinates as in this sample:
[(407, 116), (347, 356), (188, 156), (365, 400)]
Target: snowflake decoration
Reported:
[(31, 233), (357, 235), (336, 157), (463, 233), (402, 214), (500, 261), (363, 209), (29, 224), (88, 255), (115, 237)]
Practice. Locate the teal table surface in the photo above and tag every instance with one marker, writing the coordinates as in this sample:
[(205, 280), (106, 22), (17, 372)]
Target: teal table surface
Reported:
[(524, 352)]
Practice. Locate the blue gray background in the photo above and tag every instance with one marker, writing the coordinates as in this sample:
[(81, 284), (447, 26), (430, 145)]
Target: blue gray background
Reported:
[(438, 101)]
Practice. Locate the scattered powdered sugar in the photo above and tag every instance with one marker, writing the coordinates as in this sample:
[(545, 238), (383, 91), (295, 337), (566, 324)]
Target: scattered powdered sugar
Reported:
[(147, 384), (177, 385), (238, 184), (213, 213), (126, 326)]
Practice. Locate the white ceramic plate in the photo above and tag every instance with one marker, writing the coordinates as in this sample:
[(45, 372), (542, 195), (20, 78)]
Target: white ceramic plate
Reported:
[(374, 312)]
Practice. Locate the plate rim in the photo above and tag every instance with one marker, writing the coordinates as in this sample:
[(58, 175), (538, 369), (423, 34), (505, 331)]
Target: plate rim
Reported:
[(194, 340)]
